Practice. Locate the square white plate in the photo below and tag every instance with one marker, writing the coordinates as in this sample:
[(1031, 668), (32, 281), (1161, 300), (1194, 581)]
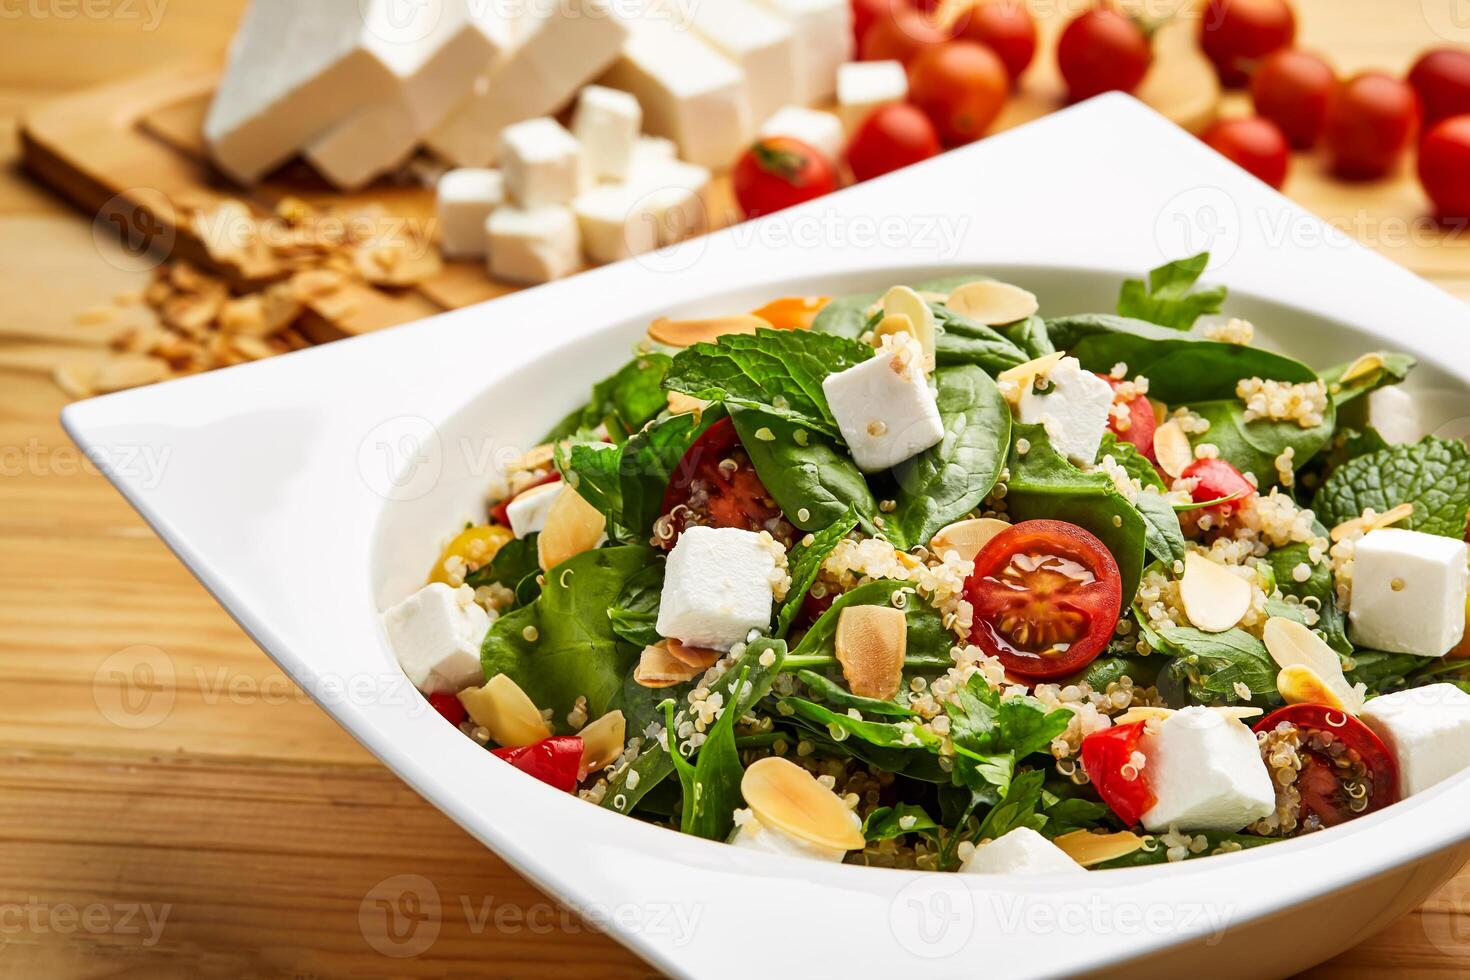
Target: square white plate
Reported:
[(309, 491)]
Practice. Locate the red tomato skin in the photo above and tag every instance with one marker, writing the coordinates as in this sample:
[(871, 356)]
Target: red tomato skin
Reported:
[(1444, 167), (1442, 80), (449, 706), (1380, 761), (1004, 26), (1255, 145), (961, 87), (1102, 51), (1236, 34), (500, 513), (1104, 754), (902, 36), (893, 137), (738, 500), (779, 172), (1371, 120), (1217, 480), (555, 761), (1292, 88), (865, 13), (1141, 423)]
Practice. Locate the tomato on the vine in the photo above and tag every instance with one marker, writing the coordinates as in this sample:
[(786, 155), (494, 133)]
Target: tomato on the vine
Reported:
[(1442, 79), (893, 136), (1254, 144), (716, 485), (1046, 596), (1292, 88), (1102, 51), (1004, 26), (1107, 757), (556, 761), (1346, 770), (961, 87), (1444, 167), (1371, 120), (1216, 479), (779, 172), (1141, 424), (1237, 34)]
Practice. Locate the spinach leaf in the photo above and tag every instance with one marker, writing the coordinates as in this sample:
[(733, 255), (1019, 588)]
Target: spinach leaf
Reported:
[(1331, 621), (1162, 533), (1018, 809), (562, 646), (813, 481), (1433, 475), (847, 316), (1252, 447), (905, 734), (593, 470), (635, 611), (776, 371), (1107, 670), (1126, 455), (623, 402), (888, 822), (1044, 485), (838, 696), (711, 784), (946, 482), (1159, 854), (1065, 814), (1381, 672), (515, 560), (1205, 667), (1166, 298), (929, 642), (805, 563), (961, 341), (1030, 335), (648, 462), (1396, 368)]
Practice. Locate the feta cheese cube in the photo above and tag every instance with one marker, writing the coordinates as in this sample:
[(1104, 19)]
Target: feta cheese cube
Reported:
[(824, 39), (761, 43), (1394, 413), (863, 86), (527, 510), (607, 123), (1408, 592), (717, 587), (464, 200), (436, 634), (885, 407), (542, 163), (660, 204), (1073, 409), (1428, 731), (750, 833), (533, 245), (1206, 773), (1021, 852), (820, 130)]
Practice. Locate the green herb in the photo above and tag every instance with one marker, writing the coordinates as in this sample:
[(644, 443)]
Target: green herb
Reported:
[(1107, 670), (813, 481), (991, 734), (710, 784), (515, 560), (593, 470), (1166, 299), (840, 697), (928, 643), (635, 612), (1030, 335), (884, 734), (1065, 814), (624, 402), (1382, 672), (805, 563), (1318, 586), (1433, 475), (1018, 809), (960, 341), (887, 822), (1395, 369), (1156, 853), (1206, 667)]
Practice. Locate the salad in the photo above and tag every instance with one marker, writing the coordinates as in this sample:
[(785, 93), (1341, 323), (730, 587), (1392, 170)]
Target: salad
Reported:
[(935, 578)]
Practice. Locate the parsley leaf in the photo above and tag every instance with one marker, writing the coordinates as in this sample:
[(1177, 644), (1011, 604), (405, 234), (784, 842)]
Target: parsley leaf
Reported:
[(1166, 298)]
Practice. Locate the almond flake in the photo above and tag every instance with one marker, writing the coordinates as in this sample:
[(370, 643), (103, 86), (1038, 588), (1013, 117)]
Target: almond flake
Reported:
[(1021, 378), (993, 303), (1172, 448), (1362, 525), (506, 712), (870, 642), (786, 797), (696, 657), (903, 301), (1363, 367), (1089, 849), (966, 538), (1300, 684), (657, 668), (572, 527), (1293, 645), (1215, 599), (602, 741), (686, 333)]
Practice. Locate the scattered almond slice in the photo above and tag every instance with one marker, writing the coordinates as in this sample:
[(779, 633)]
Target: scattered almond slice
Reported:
[(1359, 526), (966, 538), (572, 527), (686, 333), (697, 657), (893, 323), (993, 303), (602, 741), (1172, 448), (1364, 366), (1238, 712), (533, 459), (1293, 645), (506, 712), (1215, 599), (1018, 380), (870, 642), (121, 373), (1089, 849), (397, 265), (785, 796), (1143, 713), (682, 404), (903, 301), (657, 668), (77, 380), (1300, 684)]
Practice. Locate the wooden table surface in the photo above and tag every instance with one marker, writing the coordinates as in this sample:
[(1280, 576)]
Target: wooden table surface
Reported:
[(172, 804)]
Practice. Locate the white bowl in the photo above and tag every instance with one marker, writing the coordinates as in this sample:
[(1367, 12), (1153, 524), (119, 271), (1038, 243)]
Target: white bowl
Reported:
[(310, 491)]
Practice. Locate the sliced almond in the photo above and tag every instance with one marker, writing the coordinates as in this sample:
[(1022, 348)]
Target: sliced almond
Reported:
[(1089, 849), (1359, 526), (1364, 366), (903, 301), (1215, 599), (1172, 448), (966, 538), (602, 741), (76, 379), (871, 641), (533, 459), (993, 303), (1293, 645), (1238, 712), (696, 657), (128, 372), (1300, 684), (893, 323), (572, 527), (1143, 713), (686, 333), (658, 668), (785, 796), (682, 404), (1018, 380), (506, 712)]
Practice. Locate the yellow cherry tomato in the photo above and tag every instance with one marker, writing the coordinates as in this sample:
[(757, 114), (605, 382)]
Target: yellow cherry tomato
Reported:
[(474, 546), (793, 312)]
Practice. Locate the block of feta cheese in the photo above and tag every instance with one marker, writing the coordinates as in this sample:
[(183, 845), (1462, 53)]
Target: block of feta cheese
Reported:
[(527, 510), (820, 130), (436, 634), (863, 86), (717, 587), (750, 833), (761, 43), (464, 200), (437, 50), (1073, 409), (660, 204), (1394, 413), (1428, 731), (607, 123), (1408, 592), (690, 92), (294, 71), (884, 406), (542, 163), (556, 48), (1206, 773), (824, 39), (533, 245), (1021, 852)]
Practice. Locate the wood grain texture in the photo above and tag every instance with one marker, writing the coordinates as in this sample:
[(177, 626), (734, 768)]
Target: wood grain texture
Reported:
[(240, 815)]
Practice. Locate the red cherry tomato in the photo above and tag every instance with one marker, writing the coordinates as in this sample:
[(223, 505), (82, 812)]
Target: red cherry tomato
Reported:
[(1215, 479), (1371, 120), (1442, 79), (961, 87), (1046, 596), (1444, 166), (500, 513), (779, 172), (1254, 144), (902, 36), (449, 706), (1004, 26), (1106, 755), (1140, 426), (894, 136), (1337, 751), (865, 13), (1102, 51), (556, 761), (716, 485), (1291, 88), (1237, 34)]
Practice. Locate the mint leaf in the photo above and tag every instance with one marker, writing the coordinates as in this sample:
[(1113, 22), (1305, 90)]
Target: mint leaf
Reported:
[(1206, 667), (1166, 298), (805, 561), (1433, 475), (623, 402)]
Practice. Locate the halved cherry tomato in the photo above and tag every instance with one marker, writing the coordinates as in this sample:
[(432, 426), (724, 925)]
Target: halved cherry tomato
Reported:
[(1102, 51), (779, 172), (1372, 119), (716, 485), (1236, 34), (500, 513), (449, 706), (893, 136), (555, 761), (961, 86), (1218, 480), (793, 312), (1006, 27), (1292, 88), (1254, 144), (1343, 762), (1105, 755), (1046, 596), (1141, 424)]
